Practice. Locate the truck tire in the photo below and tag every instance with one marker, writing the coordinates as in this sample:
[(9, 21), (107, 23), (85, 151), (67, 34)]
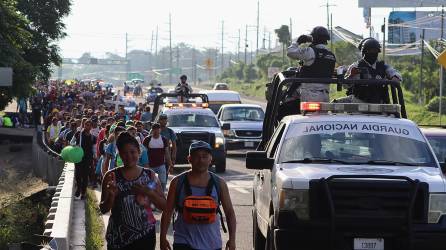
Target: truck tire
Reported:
[(220, 166), (258, 240), (269, 245)]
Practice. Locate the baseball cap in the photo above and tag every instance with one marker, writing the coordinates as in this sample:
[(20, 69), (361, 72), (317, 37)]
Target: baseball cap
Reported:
[(163, 116), (199, 145)]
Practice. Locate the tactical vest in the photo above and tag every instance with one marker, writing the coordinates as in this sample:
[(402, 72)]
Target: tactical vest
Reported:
[(323, 66), (375, 93)]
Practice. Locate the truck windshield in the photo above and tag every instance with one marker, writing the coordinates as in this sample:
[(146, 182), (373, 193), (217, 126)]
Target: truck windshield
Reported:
[(243, 114), (438, 144), (192, 120), (386, 145)]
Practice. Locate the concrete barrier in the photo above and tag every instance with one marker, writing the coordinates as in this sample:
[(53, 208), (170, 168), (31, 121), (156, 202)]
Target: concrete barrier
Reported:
[(59, 220), (47, 164)]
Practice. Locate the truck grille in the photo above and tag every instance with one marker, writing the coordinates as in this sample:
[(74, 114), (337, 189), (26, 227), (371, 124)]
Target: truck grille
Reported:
[(248, 133), (367, 203), (186, 138)]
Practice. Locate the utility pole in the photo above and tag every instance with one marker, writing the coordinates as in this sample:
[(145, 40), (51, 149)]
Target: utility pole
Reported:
[(258, 23), (246, 43), (291, 30), (127, 63), (384, 39), (151, 43), (194, 67), (156, 47), (264, 38), (331, 32), (269, 41), (420, 100), (238, 45), (178, 61), (170, 49), (222, 43)]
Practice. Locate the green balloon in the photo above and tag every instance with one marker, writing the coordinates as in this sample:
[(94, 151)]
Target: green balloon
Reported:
[(72, 154), (119, 161)]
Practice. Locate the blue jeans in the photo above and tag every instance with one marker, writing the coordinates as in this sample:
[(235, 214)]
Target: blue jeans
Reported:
[(162, 175)]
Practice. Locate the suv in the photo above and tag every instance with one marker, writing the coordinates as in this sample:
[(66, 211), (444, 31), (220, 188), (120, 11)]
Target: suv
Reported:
[(244, 125), (192, 122), (346, 176)]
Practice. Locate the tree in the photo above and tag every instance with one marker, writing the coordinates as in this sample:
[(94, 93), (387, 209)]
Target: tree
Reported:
[(29, 30), (283, 33), (250, 73)]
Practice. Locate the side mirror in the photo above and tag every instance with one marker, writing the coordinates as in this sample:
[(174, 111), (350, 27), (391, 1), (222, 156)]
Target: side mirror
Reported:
[(226, 126), (443, 166), (258, 160)]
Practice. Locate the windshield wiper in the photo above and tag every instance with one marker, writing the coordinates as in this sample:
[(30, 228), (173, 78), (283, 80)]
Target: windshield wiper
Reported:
[(319, 160), (386, 162)]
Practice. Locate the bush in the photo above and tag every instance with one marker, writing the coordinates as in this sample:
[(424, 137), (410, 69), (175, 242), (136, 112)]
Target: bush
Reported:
[(434, 104)]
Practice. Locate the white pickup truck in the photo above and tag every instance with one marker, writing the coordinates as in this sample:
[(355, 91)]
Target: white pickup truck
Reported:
[(343, 181)]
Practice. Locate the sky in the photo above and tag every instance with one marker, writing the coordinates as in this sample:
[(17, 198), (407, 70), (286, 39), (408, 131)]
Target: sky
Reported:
[(99, 26)]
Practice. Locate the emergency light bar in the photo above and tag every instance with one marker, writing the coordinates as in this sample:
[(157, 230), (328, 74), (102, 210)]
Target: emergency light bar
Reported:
[(186, 105), (307, 107)]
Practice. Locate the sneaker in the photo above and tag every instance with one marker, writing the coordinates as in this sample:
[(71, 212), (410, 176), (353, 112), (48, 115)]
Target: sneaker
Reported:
[(78, 193)]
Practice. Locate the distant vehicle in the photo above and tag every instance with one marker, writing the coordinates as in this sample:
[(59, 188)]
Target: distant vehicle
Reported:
[(152, 93), (437, 139), (219, 97), (244, 124), (130, 105), (221, 86)]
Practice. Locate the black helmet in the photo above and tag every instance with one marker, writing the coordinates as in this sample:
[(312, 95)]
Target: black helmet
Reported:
[(320, 34), (369, 45), (183, 77)]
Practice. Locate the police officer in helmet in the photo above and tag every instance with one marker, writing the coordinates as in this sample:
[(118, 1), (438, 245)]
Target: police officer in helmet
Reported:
[(317, 62), (368, 67)]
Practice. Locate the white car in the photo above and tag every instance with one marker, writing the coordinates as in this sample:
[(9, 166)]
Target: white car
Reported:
[(243, 123), (343, 181)]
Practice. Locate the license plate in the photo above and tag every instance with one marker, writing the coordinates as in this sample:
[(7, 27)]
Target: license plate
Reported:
[(249, 144), (368, 244)]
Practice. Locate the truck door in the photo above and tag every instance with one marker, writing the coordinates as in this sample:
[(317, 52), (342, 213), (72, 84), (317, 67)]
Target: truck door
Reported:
[(265, 183)]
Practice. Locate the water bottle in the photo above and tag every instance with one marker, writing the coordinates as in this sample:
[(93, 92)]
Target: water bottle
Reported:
[(151, 185)]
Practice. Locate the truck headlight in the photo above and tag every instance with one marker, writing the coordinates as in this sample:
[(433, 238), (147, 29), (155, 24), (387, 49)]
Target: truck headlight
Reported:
[(437, 206), (229, 133), (295, 200), (219, 141)]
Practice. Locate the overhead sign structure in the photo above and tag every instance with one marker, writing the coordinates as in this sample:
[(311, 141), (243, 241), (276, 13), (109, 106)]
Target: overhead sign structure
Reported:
[(5, 76), (400, 3)]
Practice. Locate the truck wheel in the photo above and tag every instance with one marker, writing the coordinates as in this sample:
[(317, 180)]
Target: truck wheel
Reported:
[(258, 240), (270, 235), (220, 166)]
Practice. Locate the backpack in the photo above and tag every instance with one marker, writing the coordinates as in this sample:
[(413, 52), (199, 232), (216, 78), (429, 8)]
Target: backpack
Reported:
[(199, 209)]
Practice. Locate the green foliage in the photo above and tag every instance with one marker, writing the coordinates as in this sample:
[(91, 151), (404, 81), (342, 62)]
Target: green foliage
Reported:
[(283, 33), (29, 30), (345, 53), (250, 73), (93, 223), (434, 104), (21, 220)]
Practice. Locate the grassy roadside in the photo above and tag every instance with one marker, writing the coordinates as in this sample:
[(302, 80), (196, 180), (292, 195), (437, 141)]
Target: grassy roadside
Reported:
[(93, 223)]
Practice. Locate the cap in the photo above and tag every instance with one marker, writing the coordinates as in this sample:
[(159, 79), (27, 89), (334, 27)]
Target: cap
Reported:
[(156, 125), (199, 145), (163, 116)]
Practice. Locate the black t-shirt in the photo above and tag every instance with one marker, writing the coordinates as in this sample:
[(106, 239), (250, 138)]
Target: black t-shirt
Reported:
[(88, 141)]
